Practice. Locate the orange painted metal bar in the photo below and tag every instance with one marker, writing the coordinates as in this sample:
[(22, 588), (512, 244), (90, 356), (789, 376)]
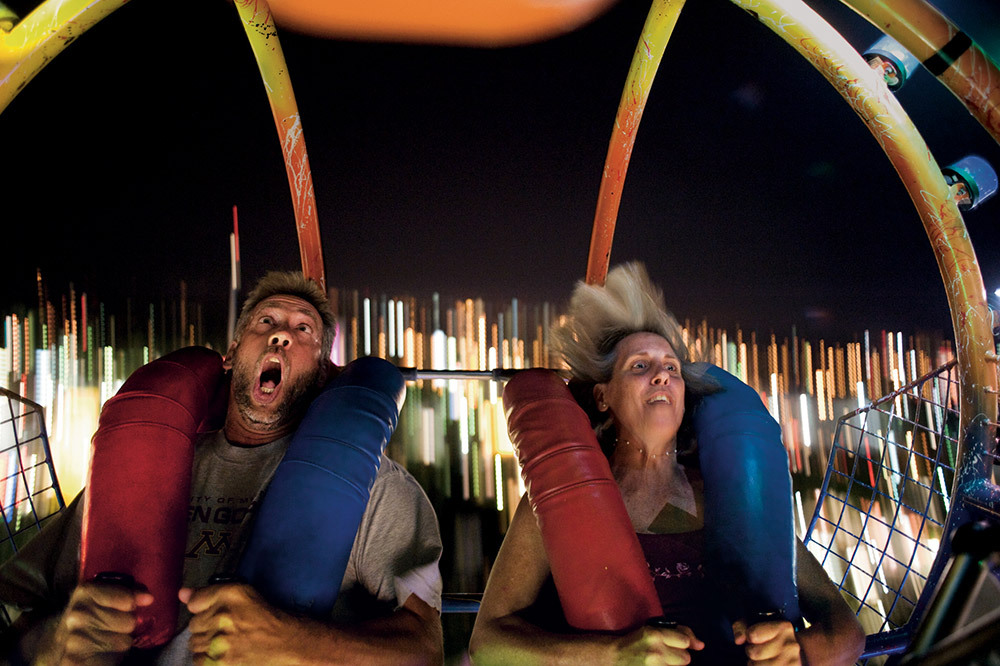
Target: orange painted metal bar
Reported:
[(475, 22), (259, 25), (656, 33), (866, 92), (947, 52), (42, 35)]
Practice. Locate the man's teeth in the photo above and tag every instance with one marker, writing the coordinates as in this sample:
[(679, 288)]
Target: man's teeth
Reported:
[(265, 389)]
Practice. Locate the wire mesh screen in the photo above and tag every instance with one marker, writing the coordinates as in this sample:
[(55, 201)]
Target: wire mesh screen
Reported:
[(885, 499), (29, 490)]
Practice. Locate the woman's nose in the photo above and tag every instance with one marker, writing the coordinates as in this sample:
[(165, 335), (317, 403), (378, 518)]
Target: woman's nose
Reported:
[(662, 376), (281, 338)]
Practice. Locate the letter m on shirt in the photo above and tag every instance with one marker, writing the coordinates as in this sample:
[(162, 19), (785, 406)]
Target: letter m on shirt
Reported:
[(210, 547)]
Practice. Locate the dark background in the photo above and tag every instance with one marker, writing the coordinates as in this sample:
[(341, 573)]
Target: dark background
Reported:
[(755, 195)]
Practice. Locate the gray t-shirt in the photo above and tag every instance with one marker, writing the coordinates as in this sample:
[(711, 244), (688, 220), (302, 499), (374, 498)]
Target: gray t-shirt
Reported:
[(395, 551)]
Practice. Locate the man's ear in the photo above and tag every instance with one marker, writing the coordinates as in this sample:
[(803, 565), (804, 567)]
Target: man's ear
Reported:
[(227, 361), (599, 397)]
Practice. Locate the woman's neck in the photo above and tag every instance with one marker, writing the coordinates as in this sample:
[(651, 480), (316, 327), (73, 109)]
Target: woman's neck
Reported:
[(632, 451)]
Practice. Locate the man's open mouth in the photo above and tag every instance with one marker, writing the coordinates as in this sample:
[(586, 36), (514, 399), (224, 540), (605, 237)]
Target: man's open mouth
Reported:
[(270, 375)]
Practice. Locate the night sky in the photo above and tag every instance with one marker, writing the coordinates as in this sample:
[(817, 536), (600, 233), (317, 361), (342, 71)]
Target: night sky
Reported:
[(755, 195)]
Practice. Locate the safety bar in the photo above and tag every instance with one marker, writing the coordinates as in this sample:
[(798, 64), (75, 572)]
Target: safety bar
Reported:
[(461, 602), (496, 375)]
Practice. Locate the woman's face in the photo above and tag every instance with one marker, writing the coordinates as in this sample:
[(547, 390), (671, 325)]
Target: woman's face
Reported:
[(645, 394)]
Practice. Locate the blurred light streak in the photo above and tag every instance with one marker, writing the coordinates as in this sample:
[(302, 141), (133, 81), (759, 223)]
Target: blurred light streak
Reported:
[(481, 341), (400, 325), (392, 328), (367, 327), (491, 364), (772, 401), (498, 469), (10, 484), (804, 414), (742, 367), (821, 395), (944, 490), (800, 514), (910, 454), (427, 437)]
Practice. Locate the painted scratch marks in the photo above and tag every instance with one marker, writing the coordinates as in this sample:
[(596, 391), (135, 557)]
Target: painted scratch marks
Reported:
[(297, 165), (979, 90), (257, 14)]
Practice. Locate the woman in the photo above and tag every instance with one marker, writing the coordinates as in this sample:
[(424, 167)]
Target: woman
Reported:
[(631, 373)]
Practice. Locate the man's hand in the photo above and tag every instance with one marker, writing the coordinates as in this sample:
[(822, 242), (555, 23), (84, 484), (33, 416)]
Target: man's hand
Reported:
[(232, 624), (97, 625), (768, 642)]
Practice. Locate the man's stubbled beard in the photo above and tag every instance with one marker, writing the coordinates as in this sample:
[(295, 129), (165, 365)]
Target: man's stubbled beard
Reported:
[(295, 399)]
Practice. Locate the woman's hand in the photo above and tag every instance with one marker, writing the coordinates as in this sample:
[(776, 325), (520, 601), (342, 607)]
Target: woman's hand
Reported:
[(771, 643), (652, 646)]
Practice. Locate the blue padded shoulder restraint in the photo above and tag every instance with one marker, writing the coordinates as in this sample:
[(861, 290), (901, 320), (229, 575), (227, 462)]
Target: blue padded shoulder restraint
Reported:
[(749, 528), (306, 524)]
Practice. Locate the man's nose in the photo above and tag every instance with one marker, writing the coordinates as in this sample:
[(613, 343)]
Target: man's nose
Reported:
[(281, 339)]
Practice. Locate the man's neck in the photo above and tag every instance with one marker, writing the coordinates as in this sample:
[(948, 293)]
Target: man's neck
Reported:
[(237, 433)]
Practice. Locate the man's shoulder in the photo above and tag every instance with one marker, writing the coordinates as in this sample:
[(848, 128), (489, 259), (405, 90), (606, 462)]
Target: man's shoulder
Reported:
[(393, 480), (390, 466), (393, 473)]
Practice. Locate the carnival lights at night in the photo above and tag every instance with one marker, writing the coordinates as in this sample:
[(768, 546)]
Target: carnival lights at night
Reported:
[(444, 435)]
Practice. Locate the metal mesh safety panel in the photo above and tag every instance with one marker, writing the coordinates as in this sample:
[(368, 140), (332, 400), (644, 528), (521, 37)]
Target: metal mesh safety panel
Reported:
[(885, 499), (29, 490)]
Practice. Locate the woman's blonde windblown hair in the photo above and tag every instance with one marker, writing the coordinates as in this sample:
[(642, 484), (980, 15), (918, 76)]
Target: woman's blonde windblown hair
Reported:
[(601, 317)]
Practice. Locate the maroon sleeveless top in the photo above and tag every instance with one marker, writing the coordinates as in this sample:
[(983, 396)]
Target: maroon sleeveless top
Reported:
[(676, 565)]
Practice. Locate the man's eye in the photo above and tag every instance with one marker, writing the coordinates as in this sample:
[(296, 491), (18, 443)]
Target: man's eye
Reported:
[(304, 328), (266, 320)]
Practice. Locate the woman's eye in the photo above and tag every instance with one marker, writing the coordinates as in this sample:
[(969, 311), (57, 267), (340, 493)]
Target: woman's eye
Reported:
[(639, 365)]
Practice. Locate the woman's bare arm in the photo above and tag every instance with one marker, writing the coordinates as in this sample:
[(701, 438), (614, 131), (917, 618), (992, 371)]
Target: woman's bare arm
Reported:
[(835, 636)]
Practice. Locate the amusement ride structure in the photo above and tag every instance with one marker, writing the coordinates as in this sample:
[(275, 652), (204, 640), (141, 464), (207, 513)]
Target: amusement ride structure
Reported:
[(917, 467)]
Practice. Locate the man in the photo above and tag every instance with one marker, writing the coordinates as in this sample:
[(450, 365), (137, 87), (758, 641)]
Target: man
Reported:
[(389, 603)]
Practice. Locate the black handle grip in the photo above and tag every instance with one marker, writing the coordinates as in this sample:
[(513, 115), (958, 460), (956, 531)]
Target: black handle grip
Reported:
[(115, 578)]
